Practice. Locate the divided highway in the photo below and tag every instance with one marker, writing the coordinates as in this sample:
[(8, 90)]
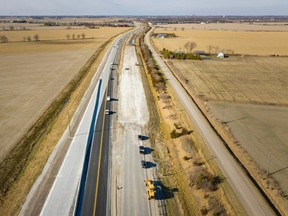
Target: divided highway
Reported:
[(252, 200), (62, 197)]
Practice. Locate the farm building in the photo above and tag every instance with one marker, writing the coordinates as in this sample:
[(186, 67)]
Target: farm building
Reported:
[(220, 55)]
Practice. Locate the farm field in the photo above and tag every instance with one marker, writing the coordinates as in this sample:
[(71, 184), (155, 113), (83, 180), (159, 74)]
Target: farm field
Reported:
[(249, 95), (56, 35), (32, 74), (244, 41), (261, 130), (244, 26)]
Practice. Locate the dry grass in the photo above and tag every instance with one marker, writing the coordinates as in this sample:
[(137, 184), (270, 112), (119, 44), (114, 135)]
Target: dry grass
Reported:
[(175, 172), (250, 120), (267, 26), (241, 42), (55, 36), (261, 80), (32, 74), (38, 157), (40, 74), (61, 34)]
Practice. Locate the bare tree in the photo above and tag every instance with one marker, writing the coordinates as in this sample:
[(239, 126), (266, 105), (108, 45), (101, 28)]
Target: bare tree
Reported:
[(190, 46), (3, 39), (213, 49), (83, 36), (36, 37), (68, 36), (29, 38), (73, 36), (12, 28), (182, 28), (216, 49), (229, 51), (210, 48)]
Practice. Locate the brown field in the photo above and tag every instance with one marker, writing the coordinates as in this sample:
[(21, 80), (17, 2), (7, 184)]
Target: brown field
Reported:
[(261, 80), (36, 24), (34, 73), (244, 42), (272, 26), (250, 97), (60, 33), (246, 81)]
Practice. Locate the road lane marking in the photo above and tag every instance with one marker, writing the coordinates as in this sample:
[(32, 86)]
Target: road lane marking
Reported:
[(99, 159)]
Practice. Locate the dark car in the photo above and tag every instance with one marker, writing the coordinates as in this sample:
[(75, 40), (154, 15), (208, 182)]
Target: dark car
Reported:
[(142, 149), (144, 164)]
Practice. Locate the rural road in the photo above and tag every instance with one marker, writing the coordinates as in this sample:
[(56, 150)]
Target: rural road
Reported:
[(251, 199)]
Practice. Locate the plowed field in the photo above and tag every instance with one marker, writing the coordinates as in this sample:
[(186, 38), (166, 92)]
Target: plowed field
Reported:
[(32, 74), (250, 96)]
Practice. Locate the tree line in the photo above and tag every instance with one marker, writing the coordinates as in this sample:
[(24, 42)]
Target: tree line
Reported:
[(36, 37)]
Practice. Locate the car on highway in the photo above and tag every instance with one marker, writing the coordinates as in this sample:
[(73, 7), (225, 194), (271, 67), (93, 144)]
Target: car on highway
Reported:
[(144, 164), (107, 111), (108, 98), (142, 149)]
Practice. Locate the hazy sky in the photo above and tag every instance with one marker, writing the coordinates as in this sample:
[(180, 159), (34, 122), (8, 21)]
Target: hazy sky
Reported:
[(144, 7)]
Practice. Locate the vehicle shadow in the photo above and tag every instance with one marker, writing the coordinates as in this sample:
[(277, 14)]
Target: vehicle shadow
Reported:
[(162, 192), (148, 150), (142, 137), (111, 113), (148, 165)]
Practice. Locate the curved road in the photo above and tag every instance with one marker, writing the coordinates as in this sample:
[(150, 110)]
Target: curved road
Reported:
[(251, 199)]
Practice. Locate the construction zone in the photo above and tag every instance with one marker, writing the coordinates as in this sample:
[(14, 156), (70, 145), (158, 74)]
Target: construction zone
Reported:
[(150, 189)]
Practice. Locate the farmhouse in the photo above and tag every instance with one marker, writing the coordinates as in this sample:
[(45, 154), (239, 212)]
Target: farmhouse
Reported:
[(220, 55), (161, 35)]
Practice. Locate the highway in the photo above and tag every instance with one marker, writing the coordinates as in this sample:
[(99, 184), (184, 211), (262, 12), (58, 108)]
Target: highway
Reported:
[(249, 196), (95, 194), (62, 197), (99, 185), (129, 193)]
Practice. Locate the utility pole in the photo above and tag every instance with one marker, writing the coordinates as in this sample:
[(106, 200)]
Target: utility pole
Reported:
[(69, 125)]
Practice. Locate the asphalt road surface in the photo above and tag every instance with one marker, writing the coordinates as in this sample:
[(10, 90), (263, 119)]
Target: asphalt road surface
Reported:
[(249, 196), (95, 193), (63, 194)]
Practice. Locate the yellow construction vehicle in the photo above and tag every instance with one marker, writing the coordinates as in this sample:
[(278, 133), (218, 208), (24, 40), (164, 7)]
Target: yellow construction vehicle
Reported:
[(150, 189)]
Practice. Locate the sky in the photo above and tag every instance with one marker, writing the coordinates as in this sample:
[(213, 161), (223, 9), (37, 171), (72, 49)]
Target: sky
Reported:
[(144, 7)]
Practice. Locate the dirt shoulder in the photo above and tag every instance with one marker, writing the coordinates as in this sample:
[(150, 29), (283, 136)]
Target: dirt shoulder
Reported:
[(185, 164), (36, 147)]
